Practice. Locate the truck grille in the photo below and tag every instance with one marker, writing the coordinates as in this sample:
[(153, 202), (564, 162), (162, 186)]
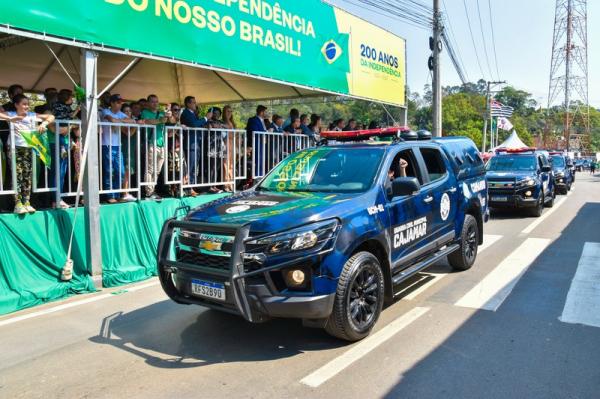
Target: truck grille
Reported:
[(203, 260)]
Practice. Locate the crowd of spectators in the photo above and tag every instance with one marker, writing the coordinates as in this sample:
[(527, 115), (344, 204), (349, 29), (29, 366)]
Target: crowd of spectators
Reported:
[(119, 150)]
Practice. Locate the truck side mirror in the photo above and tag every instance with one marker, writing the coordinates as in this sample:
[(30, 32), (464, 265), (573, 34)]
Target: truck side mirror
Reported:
[(546, 168), (402, 186)]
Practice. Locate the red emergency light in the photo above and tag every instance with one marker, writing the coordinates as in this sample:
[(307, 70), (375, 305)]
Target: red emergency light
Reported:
[(359, 135), (556, 153), (516, 150)]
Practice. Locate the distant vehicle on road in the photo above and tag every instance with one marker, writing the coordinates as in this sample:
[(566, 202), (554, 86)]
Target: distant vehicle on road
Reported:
[(329, 233), (521, 178), (563, 173)]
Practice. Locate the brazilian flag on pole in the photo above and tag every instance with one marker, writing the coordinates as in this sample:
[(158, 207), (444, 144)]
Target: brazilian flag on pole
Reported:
[(39, 142)]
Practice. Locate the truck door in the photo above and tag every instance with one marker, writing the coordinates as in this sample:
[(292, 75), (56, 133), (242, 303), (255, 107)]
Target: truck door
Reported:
[(440, 193), (409, 215)]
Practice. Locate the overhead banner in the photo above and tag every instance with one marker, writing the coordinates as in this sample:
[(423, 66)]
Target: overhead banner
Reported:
[(308, 43)]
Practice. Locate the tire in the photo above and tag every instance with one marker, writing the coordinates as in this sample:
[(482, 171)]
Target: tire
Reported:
[(464, 257), (360, 277), (539, 207), (550, 203)]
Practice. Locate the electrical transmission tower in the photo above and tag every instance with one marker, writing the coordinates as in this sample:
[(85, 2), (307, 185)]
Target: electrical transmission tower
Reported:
[(569, 71)]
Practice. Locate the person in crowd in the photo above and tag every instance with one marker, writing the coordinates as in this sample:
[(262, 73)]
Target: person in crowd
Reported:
[(113, 169), (350, 126), (51, 96), (232, 143), (294, 113), (304, 122), (294, 143), (104, 103), (337, 126), (257, 124), (295, 127), (62, 110), (155, 144), (136, 111), (12, 92), (192, 139), (23, 120), (128, 146), (277, 125), (6, 170), (143, 103), (315, 127), (374, 125), (592, 167), (217, 150), (176, 164)]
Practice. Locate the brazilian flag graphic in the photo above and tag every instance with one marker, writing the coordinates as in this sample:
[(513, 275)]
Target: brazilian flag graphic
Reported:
[(39, 142)]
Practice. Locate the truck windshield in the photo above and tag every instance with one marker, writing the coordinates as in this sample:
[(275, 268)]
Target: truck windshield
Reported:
[(509, 163), (558, 161), (336, 170)]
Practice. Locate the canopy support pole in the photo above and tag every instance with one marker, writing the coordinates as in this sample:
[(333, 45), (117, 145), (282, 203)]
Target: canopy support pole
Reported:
[(120, 76), (89, 125)]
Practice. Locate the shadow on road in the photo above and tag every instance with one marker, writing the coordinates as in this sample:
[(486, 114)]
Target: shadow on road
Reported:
[(168, 335), (522, 350)]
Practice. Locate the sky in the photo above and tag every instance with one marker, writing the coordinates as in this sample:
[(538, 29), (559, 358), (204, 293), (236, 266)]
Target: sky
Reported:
[(523, 31)]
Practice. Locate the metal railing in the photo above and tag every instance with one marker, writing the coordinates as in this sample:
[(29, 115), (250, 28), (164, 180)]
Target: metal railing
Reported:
[(132, 158), (270, 148)]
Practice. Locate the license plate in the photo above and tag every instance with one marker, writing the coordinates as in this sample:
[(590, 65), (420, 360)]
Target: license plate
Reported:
[(208, 289), (496, 198)]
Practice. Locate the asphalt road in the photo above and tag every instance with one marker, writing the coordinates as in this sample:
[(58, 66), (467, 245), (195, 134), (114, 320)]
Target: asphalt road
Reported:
[(524, 322)]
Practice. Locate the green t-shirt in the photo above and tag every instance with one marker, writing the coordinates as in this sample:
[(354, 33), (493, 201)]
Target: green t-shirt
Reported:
[(160, 128)]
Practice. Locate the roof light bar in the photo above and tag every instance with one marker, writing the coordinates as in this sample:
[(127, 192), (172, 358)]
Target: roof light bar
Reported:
[(516, 150), (360, 135)]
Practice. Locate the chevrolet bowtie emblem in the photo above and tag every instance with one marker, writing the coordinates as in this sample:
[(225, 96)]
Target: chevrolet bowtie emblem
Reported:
[(210, 245)]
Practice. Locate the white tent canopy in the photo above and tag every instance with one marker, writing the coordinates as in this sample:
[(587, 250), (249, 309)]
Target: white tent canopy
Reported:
[(512, 142), (29, 62)]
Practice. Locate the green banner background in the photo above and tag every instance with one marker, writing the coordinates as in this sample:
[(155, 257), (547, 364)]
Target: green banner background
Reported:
[(134, 25)]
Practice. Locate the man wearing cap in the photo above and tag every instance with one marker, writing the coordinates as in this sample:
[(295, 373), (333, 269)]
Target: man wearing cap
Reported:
[(155, 146), (113, 168)]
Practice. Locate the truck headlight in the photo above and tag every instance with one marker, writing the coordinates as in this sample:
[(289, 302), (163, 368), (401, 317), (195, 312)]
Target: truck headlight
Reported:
[(526, 182), (312, 236)]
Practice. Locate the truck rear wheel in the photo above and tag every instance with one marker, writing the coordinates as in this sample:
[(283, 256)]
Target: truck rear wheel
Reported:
[(359, 298), (464, 257)]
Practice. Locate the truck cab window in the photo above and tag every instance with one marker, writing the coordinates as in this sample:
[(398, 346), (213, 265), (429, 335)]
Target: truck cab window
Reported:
[(434, 162)]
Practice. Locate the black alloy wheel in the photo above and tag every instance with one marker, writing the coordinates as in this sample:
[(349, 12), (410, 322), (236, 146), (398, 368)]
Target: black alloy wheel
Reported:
[(363, 300), (358, 299), (464, 257)]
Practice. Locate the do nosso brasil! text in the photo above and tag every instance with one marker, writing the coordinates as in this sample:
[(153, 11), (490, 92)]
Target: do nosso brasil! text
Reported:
[(184, 13)]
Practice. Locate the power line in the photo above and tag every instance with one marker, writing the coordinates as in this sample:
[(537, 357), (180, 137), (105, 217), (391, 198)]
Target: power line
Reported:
[(493, 38), (452, 39), (487, 58), (473, 40)]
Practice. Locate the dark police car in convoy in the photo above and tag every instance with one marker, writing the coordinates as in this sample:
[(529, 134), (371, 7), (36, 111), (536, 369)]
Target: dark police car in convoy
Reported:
[(521, 178), (563, 172), (330, 231)]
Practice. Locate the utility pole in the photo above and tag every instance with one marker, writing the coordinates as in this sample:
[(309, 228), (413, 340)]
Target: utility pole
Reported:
[(436, 45), (488, 114)]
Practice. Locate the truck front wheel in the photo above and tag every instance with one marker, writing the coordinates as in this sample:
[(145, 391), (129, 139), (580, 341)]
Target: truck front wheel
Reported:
[(359, 298), (464, 257)]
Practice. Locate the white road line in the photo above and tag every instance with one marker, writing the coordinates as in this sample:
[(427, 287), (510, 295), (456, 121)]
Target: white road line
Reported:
[(362, 348), (544, 216), (490, 292), (70, 305), (583, 300), (488, 241)]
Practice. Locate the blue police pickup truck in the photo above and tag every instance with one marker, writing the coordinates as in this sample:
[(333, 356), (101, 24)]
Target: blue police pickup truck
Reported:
[(521, 178), (330, 232), (562, 166)]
